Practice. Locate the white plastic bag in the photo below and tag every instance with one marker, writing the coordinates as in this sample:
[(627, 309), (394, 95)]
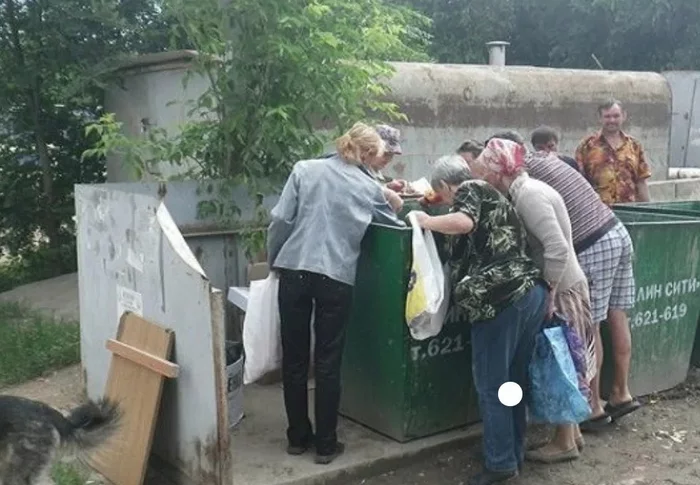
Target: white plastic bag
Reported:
[(262, 340), (428, 295)]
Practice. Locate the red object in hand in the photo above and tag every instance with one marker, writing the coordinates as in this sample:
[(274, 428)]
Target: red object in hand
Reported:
[(430, 198)]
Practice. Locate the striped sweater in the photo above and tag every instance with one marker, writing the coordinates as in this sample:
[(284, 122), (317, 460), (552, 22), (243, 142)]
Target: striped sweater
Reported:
[(590, 218)]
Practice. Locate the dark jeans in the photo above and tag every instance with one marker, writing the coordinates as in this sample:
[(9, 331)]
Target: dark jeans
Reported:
[(298, 291), (501, 352)]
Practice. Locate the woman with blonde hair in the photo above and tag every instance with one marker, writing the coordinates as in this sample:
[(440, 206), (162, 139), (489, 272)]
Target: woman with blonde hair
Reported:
[(313, 242), (546, 220)]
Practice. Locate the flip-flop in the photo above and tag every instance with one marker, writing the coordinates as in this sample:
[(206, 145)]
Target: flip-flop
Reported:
[(622, 409), (597, 423)]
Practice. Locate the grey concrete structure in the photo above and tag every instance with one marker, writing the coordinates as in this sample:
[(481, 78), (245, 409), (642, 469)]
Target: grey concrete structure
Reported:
[(445, 104)]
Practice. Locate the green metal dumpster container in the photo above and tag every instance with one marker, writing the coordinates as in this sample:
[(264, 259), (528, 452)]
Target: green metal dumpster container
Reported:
[(664, 320), (393, 384), (689, 208)]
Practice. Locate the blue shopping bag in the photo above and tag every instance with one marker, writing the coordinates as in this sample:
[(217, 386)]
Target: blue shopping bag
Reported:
[(554, 396), (579, 354)]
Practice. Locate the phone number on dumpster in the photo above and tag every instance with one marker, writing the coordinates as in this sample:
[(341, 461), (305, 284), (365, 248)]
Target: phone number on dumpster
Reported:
[(652, 317), (437, 346)]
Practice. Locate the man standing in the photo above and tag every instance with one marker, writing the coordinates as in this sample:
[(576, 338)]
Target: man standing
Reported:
[(613, 161), (546, 139)]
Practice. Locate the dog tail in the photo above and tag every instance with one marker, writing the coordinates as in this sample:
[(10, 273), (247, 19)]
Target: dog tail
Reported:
[(92, 424)]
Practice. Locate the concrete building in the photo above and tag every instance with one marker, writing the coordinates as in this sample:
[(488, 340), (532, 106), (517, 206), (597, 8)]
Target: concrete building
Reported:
[(444, 103)]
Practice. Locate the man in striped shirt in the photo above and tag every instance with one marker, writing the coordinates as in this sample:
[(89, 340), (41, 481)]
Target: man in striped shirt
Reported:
[(604, 250)]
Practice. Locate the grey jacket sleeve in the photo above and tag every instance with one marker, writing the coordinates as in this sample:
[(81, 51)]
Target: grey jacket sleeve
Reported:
[(382, 211), (283, 217)]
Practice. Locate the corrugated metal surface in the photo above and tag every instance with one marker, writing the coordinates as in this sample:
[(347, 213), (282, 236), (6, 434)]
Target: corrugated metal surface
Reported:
[(684, 145)]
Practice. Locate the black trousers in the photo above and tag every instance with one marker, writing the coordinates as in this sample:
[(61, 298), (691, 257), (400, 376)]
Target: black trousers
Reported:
[(298, 292)]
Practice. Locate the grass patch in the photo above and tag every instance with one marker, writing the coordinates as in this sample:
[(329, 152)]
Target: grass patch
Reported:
[(32, 344), (68, 474)]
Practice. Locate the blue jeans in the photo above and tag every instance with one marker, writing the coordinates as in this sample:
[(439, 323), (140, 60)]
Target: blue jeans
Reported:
[(501, 352)]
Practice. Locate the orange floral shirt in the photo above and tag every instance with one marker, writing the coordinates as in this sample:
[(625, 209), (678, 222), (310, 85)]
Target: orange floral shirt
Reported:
[(614, 173)]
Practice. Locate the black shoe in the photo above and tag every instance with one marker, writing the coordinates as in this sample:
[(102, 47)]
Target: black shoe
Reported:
[(327, 459), (487, 477), (300, 450)]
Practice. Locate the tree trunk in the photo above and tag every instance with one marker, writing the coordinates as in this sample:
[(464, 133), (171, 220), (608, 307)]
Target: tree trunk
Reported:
[(33, 100)]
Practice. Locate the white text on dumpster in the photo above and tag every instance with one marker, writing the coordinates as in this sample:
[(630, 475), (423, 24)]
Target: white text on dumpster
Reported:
[(665, 314), (438, 346)]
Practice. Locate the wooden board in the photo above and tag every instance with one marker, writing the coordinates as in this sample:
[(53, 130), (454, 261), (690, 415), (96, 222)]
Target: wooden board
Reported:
[(138, 389)]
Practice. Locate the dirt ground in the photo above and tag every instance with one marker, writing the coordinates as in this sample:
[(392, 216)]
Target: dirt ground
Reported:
[(658, 445), (62, 389)]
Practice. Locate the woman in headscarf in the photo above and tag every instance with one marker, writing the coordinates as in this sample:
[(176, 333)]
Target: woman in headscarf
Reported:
[(314, 241), (498, 289), (544, 214)]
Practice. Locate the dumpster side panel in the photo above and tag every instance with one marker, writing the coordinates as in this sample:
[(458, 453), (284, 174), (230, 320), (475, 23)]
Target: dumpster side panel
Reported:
[(440, 389), (374, 369), (131, 256), (664, 320)]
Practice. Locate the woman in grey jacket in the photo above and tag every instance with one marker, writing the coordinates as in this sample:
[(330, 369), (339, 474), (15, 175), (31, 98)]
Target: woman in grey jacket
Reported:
[(314, 242)]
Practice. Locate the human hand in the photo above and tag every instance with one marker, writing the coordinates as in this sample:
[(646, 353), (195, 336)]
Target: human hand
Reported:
[(396, 185), (394, 200), (551, 307)]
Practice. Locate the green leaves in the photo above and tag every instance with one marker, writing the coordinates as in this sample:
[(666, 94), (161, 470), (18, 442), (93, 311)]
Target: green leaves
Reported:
[(285, 76), (624, 34)]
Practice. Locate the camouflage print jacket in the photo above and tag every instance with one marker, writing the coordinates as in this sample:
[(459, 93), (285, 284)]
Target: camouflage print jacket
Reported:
[(489, 269)]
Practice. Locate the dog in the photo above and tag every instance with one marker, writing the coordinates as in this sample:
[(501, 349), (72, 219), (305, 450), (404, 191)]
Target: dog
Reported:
[(32, 433)]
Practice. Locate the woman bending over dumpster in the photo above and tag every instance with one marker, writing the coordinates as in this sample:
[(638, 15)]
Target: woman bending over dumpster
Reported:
[(544, 215), (314, 242), (500, 291)]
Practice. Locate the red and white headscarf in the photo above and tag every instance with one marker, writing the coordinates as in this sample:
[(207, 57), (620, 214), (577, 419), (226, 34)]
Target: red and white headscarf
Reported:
[(503, 157)]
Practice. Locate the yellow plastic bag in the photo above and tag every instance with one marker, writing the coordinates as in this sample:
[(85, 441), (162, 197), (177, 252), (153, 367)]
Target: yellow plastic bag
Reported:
[(427, 298)]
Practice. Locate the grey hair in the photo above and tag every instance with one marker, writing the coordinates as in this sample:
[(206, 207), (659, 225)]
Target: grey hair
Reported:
[(450, 170)]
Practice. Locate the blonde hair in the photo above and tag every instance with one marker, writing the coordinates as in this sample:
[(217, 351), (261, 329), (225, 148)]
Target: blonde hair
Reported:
[(359, 142)]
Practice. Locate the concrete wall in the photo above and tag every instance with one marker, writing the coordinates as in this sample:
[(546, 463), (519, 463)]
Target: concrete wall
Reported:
[(445, 104), (669, 190)]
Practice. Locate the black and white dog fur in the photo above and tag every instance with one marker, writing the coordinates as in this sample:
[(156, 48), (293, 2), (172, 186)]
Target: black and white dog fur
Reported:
[(33, 433)]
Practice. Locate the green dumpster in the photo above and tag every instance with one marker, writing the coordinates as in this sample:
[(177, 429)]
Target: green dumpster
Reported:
[(689, 208), (664, 320), (393, 384)]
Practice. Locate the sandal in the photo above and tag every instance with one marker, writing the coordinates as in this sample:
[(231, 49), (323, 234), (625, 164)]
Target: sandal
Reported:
[(540, 456), (594, 424), (623, 409)]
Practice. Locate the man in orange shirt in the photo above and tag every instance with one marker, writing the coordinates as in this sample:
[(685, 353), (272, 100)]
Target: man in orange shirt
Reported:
[(613, 161)]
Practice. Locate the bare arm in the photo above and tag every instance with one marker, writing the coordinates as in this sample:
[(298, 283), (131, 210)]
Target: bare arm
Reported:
[(643, 191), (455, 223)]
